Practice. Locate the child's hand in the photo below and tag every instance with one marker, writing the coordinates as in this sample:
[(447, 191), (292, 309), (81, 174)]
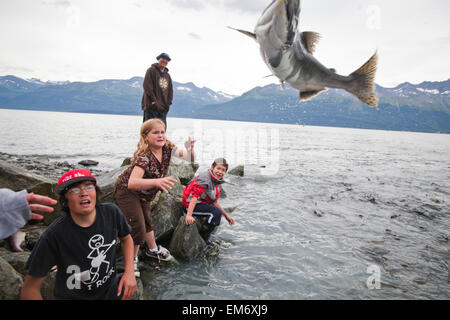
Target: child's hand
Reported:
[(189, 219), (128, 284), (166, 183), (230, 220), (189, 144)]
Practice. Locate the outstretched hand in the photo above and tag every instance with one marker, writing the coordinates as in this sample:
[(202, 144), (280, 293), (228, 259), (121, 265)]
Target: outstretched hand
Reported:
[(166, 183), (39, 203), (189, 144)]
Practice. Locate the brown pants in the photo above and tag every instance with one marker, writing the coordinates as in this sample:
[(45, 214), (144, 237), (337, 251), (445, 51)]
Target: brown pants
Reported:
[(137, 213)]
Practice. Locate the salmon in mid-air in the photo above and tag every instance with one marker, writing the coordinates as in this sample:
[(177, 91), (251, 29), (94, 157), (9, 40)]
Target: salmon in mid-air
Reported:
[(289, 55)]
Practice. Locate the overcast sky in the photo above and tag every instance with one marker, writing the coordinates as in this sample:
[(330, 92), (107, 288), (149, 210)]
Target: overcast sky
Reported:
[(89, 40)]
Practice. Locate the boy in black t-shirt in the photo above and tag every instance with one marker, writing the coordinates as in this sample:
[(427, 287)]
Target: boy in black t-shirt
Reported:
[(82, 244)]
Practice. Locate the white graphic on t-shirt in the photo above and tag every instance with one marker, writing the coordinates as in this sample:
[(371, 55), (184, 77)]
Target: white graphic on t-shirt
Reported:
[(98, 257)]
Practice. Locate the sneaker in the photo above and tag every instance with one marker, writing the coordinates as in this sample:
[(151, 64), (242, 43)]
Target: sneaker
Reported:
[(162, 253), (137, 273)]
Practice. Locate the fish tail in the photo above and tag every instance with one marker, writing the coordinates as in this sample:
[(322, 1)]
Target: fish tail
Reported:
[(362, 85)]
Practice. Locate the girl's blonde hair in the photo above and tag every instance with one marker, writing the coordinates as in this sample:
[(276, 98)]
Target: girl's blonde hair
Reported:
[(142, 146)]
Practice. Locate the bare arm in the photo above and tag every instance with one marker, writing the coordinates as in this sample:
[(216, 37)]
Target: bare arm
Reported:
[(188, 154), (31, 288), (137, 182), (189, 218), (224, 213), (128, 280)]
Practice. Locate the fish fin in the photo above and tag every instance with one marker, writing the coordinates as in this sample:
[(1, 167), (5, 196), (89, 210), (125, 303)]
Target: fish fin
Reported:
[(282, 85), (275, 61), (309, 40), (333, 70), (363, 86), (247, 33), (306, 95)]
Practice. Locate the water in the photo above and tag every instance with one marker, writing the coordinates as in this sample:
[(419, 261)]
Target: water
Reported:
[(349, 214)]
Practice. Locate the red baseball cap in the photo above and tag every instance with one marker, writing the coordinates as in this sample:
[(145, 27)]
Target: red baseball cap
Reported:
[(71, 177)]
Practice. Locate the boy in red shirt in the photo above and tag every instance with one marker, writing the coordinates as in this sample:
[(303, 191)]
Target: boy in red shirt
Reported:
[(201, 196)]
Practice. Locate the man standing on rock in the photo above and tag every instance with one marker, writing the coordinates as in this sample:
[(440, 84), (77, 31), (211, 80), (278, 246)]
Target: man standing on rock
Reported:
[(158, 90)]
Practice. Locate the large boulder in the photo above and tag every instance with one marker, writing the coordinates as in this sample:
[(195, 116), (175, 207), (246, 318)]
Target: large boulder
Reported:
[(107, 183), (165, 215), (10, 281), (186, 243), (17, 178), (17, 260), (182, 169), (237, 171)]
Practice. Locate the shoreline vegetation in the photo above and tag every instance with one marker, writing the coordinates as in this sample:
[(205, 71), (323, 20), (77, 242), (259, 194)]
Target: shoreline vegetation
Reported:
[(39, 175)]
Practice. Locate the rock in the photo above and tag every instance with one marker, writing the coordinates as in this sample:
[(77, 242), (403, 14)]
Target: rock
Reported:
[(107, 182), (48, 286), (17, 178), (165, 215), (88, 163), (10, 281), (126, 162), (318, 213), (33, 236), (186, 243), (237, 171), (213, 251), (16, 259), (139, 294), (182, 169)]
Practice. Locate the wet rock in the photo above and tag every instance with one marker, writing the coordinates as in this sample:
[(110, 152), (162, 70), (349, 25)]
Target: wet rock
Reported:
[(212, 251), (88, 163), (237, 171), (139, 294), (10, 281), (17, 178), (186, 243), (318, 213), (165, 215)]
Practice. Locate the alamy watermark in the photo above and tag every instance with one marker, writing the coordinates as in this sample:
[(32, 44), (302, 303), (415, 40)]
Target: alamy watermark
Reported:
[(374, 280), (254, 145), (373, 21)]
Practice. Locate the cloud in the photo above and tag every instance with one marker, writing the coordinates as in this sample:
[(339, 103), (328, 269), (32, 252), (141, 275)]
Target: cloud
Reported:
[(57, 3), (237, 5), (188, 4), (15, 70), (194, 36), (245, 6)]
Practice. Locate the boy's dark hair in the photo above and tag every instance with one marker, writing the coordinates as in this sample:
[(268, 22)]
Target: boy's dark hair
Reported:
[(221, 161), (62, 201)]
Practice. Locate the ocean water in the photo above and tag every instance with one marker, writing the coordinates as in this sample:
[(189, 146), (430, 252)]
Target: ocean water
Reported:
[(321, 213)]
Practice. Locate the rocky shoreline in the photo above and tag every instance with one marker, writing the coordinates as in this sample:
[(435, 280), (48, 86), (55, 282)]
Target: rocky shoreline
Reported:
[(38, 174)]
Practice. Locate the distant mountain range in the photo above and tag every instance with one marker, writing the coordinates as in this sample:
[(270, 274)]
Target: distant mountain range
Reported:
[(423, 107)]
